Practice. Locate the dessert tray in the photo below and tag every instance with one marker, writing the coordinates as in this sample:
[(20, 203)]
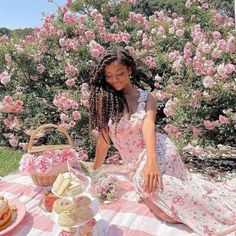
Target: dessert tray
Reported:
[(93, 206)]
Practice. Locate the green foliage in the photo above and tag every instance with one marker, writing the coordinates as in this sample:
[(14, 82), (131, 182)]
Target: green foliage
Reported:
[(20, 33), (9, 160), (148, 7)]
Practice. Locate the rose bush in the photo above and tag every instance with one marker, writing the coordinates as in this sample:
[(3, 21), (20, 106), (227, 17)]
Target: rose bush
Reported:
[(187, 60)]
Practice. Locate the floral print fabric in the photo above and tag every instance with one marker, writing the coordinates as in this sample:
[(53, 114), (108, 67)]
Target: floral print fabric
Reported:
[(209, 208)]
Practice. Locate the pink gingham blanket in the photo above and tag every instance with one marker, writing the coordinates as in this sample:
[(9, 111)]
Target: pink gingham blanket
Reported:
[(125, 216)]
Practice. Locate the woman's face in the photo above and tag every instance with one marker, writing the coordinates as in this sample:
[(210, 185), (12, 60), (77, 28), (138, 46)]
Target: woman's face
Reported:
[(117, 75)]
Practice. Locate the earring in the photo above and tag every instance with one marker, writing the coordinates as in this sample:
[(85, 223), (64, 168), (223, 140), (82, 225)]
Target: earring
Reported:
[(130, 77)]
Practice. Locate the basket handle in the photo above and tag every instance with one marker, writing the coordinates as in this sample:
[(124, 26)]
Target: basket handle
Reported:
[(32, 149)]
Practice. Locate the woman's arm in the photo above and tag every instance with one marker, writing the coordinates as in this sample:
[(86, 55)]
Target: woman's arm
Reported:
[(102, 147), (151, 171)]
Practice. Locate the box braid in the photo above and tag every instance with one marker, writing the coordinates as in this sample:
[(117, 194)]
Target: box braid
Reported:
[(105, 101)]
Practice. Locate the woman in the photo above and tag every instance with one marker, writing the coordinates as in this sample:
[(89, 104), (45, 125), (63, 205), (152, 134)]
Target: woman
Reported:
[(126, 114)]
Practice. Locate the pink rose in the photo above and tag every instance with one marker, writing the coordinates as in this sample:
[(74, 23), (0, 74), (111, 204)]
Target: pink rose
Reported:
[(179, 32), (85, 102), (216, 35), (208, 82), (68, 154), (173, 131), (42, 164), (170, 107), (72, 124), (7, 99), (60, 33), (26, 162), (53, 156), (5, 78), (84, 157), (95, 52), (95, 133), (62, 42), (216, 53), (70, 18), (76, 115), (89, 34), (82, 18), (223, 120), (209, 125), (70, 82)]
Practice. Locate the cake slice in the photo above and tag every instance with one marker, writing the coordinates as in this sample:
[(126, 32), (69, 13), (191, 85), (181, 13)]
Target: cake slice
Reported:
[(65, 183), (56, 185), (74, 188), (61, 183)]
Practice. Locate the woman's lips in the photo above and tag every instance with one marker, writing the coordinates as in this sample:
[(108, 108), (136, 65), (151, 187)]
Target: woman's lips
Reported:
[(116, 85)]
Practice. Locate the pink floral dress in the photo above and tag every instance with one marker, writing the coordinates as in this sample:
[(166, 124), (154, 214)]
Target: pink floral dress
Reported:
[(208, 208)]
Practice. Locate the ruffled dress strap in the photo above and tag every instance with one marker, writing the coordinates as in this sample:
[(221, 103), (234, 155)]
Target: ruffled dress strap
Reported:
[(142, 99), (141, 110)]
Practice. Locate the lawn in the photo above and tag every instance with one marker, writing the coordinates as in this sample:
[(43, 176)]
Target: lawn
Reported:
[(9, 160)]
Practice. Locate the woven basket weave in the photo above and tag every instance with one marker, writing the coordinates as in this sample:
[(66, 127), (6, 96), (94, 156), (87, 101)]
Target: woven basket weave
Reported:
[(47, 178)]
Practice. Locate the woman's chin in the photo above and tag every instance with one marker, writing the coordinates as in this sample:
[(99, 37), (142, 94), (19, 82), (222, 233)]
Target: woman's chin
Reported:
[(118, 88)]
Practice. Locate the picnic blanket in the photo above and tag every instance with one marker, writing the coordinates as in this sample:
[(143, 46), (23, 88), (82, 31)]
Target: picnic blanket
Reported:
[(125, 216)]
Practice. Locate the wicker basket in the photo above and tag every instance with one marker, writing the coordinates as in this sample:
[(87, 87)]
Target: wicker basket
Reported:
[(47, 178)]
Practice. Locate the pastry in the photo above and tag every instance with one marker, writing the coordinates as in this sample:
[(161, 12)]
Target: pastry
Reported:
[(83, 201), (62, 204), (84, 213), (5, 211), (66, 219), (48, 199), (85, 230)]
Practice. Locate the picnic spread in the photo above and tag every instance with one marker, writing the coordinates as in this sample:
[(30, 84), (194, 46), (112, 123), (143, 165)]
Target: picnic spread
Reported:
[(125, 216), (50, 196), (55, 193)]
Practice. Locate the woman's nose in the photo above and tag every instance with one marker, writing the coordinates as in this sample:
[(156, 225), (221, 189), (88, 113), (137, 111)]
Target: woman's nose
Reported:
[(113, 78)]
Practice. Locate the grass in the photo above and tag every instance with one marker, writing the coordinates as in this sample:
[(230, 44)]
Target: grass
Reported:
[(9, 160)]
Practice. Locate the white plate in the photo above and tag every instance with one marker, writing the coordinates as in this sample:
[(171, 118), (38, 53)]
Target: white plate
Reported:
[(101, 226)]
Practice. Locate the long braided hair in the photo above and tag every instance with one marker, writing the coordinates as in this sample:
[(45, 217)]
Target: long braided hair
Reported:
[(106, 102)]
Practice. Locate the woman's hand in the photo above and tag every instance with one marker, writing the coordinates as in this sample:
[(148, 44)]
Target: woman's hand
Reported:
[(152, 177)]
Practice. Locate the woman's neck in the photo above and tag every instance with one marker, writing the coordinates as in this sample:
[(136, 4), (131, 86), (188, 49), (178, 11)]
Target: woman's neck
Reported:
[(130, 90)]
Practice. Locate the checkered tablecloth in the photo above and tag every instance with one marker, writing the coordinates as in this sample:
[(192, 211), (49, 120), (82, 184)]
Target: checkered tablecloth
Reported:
[(125, 216)]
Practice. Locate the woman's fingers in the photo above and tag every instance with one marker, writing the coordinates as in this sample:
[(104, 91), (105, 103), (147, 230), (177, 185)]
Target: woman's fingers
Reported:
[(155, 183), (146, 183), (150, 186), (152, 182)]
